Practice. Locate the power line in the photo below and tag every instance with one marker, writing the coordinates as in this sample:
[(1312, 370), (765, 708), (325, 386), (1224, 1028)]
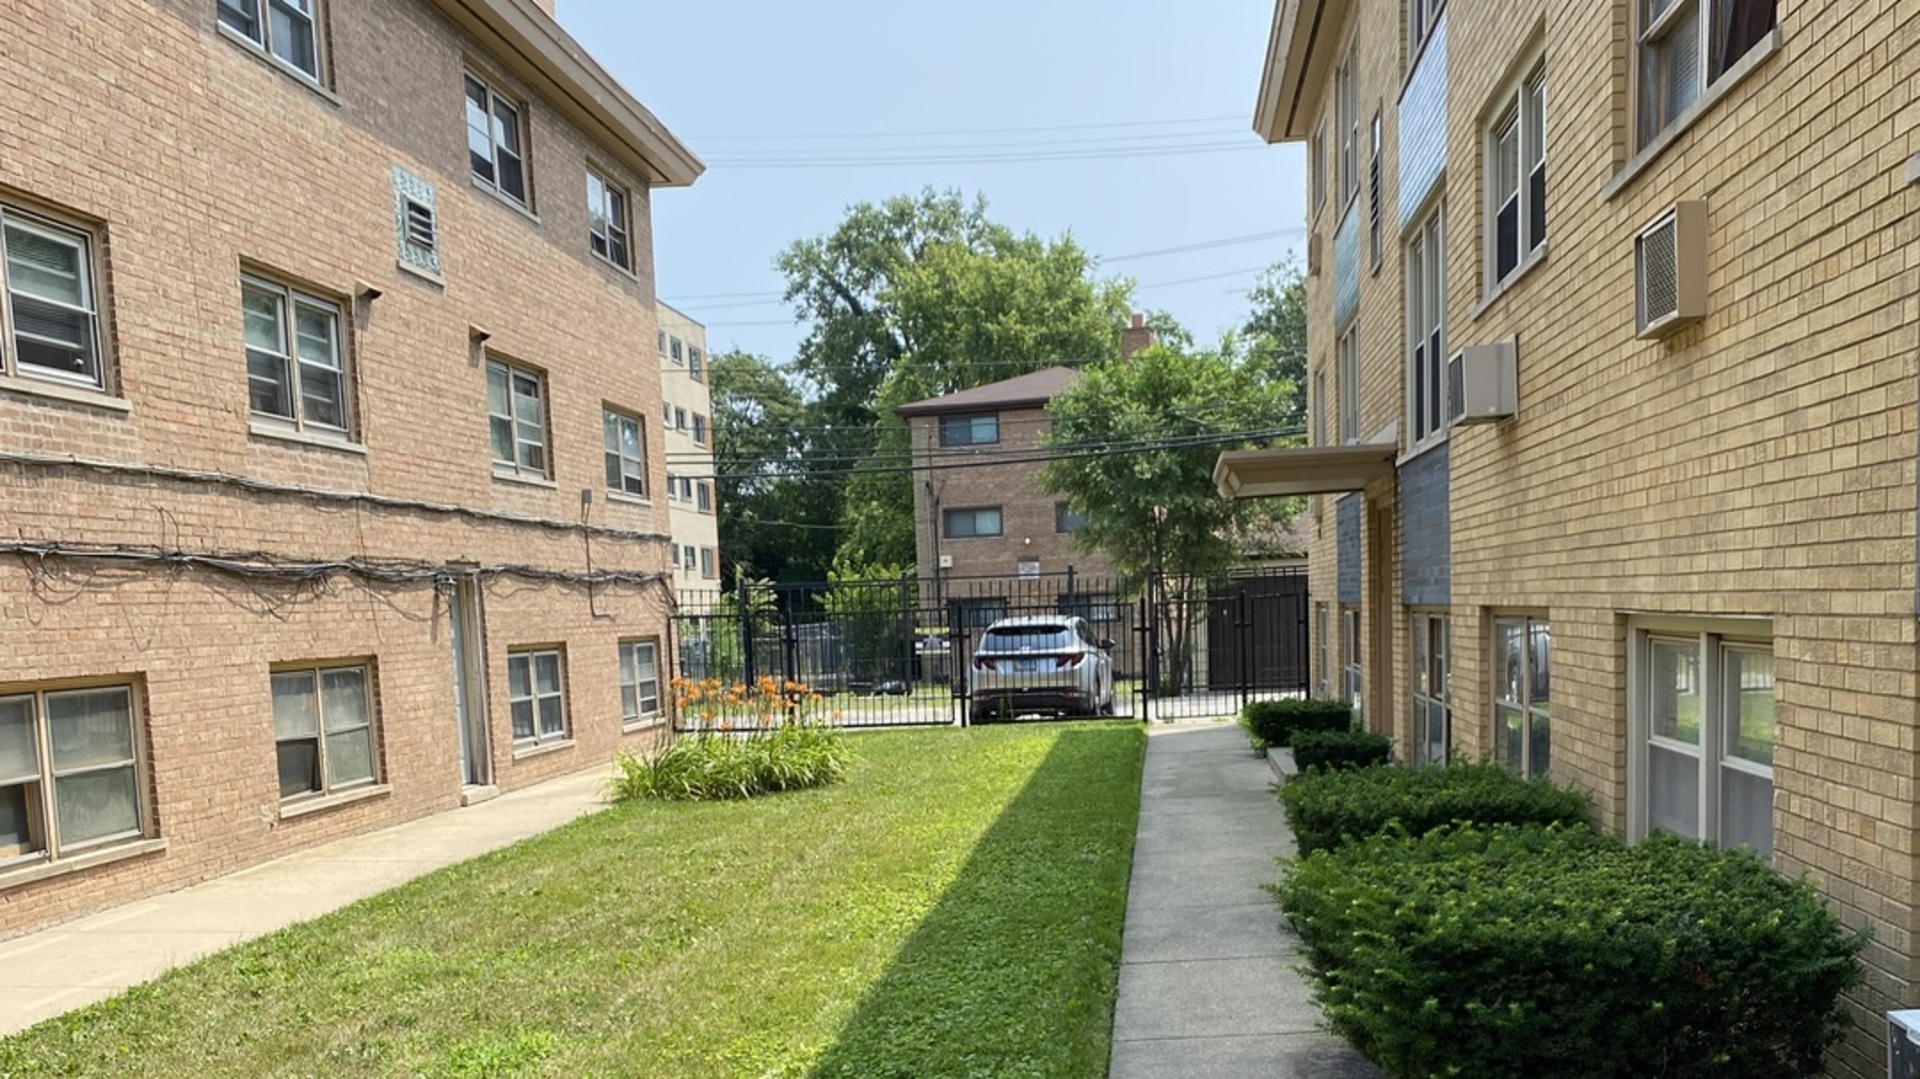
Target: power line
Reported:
[(1208, 245), (1024, 145), (1113, 125), (1193, 150)]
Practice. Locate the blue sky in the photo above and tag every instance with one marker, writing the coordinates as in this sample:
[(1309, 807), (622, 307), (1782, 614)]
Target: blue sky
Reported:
[(780, 83)]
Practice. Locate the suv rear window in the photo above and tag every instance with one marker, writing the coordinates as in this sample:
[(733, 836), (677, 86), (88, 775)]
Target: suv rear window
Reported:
[(1027, 639)]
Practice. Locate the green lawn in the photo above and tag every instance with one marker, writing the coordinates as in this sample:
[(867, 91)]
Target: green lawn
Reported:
[(952, 909)]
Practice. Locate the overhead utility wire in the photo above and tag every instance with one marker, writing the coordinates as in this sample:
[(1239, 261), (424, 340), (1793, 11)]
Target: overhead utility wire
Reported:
[(1196, 149), (970, 131)]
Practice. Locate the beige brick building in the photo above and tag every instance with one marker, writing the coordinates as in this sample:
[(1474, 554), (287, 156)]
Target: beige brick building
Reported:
[(1677, 567), (329, 491), (686, 414)]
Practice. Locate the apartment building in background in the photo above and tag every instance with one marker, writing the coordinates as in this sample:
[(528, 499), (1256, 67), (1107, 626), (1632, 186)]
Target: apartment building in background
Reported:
[(686, 415), (330, 483), (1612, 392)]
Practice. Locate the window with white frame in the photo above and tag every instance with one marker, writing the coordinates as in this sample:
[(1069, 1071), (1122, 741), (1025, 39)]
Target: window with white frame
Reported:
[(1323, 636), (708, 569), (517, 419), (1421, 17), (972, 523), (695, 367), (703, 496), (1347, 385), (1373, 196), (1704, 733), (674, 346), (1432, 688), (296, 362), (673, 488), (495, 140), (1685, 46), (1319, 406), (1347, 127), (286, 29), (323, 730), (1353, 679), (1319, 165), (639, 682), (1516, 213), (51, 317), (537, 695), (1426, 330), (689, 557), (69, 772), (663, 344), (1522, 657), (686, 488), (981, 430), (607, 220), (679, 418), (626, 452)]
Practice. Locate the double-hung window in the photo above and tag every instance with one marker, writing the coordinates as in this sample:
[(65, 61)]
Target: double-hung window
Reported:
[(1421, 16), (296, 363), (1347, 385), (1319, 166), (51, 316), (699, 429), (1426, 330), (1347, 120), (323, 730), (537, 696), (69, 772), (1432, 688), (695, 370), (1522, 656), (708, 569), (626, 452), (1319, 406), (284, 28), (1704, 734), (607, 220), (495, 141), (703, 496), (639, 682), (517, 420), (1686, 46), (1516, 213), (1067, 520), (983, 430), (973, 523), (675, 345)]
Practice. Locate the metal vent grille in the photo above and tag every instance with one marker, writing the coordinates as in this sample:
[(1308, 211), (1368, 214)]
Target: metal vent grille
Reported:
[(420, 226), (1456, 390), (1657, 268)]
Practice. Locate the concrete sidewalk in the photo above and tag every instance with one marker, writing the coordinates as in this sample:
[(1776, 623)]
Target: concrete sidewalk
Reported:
[(1207, 987), (72, 965)]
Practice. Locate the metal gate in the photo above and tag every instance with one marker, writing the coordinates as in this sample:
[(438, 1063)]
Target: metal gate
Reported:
[(1210, 648)]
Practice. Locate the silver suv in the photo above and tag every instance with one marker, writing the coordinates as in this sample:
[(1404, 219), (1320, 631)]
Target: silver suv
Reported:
[(1040, 664)]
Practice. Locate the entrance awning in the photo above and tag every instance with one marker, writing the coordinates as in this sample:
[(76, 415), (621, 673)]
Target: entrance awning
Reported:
[(1301, 470)]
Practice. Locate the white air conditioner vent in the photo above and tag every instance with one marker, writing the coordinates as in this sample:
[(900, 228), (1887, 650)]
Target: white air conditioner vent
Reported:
[(1670, 271), (1483, 383), (946, 561)]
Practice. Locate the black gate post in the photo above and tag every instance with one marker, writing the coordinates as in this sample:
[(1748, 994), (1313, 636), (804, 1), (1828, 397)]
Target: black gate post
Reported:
[(1148, 655), (748, 674), (1243, 632)]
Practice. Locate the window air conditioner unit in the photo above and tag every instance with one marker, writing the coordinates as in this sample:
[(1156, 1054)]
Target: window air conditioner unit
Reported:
[(946, 561), (1483, 383), (1670, 271), (1903, 1045)]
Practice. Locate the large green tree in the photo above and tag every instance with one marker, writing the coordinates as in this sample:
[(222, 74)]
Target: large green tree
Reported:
[(1276, 330), (1135, 444), (772, 521)]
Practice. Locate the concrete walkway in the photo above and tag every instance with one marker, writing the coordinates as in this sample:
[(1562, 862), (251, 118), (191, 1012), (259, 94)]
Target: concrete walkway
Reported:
[(79, 962), (1207, 987)]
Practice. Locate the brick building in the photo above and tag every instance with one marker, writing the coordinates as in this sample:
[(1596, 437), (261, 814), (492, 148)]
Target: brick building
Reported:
[(687, 418), (328, 487), (1666, 251)]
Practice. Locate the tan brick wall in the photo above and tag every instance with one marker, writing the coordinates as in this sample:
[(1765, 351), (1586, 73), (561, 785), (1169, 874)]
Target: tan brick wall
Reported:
[(1760, 463), (191, 157)]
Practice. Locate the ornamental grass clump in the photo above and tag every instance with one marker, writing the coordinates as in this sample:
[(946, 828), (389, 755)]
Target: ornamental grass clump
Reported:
[(745, 741)]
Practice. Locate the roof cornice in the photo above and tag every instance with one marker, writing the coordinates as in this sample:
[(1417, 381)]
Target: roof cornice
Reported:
[(1298, 54)]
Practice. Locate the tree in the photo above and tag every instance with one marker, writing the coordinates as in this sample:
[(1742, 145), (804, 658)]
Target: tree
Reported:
[(1156, 424), (1277, 328), (771, 520)]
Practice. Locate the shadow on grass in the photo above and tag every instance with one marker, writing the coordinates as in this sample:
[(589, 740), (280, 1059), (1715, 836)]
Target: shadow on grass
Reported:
[(1013, 972)]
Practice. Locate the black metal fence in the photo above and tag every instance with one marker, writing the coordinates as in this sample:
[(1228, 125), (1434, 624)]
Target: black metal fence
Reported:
[(897, 653)]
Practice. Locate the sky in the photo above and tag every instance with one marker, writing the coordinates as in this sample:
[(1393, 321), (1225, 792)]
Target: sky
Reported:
[(1131, 122)]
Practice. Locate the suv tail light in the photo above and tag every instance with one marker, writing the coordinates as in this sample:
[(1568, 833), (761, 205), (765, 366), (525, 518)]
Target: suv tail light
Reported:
[(1070, 661), (981, 663)]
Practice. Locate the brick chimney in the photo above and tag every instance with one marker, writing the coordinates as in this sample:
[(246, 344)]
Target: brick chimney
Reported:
[(1135, 337)]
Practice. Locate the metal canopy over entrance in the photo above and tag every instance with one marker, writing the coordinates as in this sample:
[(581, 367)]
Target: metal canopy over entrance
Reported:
[(1301, 470)]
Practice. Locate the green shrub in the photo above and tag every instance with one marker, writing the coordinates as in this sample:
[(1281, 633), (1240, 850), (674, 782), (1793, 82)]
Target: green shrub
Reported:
[(1340, 749), (1276, 722), (1556, 953), (713, 765), (1326, 808)]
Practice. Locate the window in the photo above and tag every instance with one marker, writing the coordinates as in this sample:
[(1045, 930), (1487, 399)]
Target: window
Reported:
[(666, 414), (1686, 46), (1347, 117), (703, 492), (689, 557), (537, 697), (695, 370), (639, 681), (1421, 17), (1068, 519), (686, 488), (516, 416), (699, 429), (1319, 406), (494, 141), (971, 523), (1319, 165), (1517, 177), (1704, 735), (69, 772), (607, 220), (673, 488), (626, 449), (1323, 636), (51, 318), (1353, 679), (970, 430), (674, 346), (1373, 196), (663, 344), (1348, 386), (296, 373), (285, 29), (706, 563), (1432, 689), (1426, 330), (679, 419), (323, 730), (1522, 734)]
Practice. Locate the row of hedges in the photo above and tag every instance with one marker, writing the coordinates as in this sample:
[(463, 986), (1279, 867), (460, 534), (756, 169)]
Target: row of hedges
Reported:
[(1274, 723), (1340, 749), (1464, 922)]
